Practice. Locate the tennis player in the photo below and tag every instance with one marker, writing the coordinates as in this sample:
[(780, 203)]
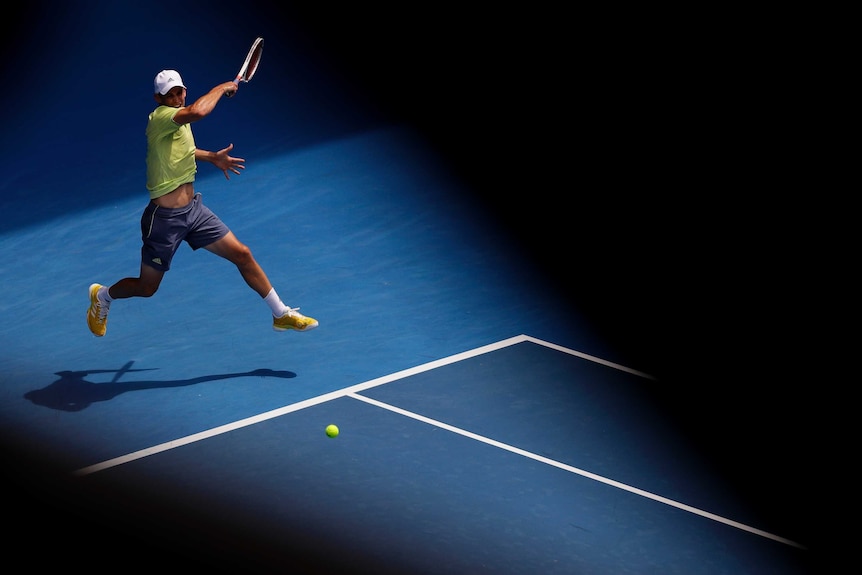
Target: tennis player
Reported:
[(176, 213)]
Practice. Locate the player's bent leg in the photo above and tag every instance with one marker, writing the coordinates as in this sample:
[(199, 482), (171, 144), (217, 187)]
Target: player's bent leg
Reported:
[(143, 286)]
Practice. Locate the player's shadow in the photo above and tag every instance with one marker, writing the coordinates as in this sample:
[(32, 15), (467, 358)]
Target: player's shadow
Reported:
[(73, 393)]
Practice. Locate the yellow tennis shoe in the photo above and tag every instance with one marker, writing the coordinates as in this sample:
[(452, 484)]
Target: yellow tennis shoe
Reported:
[(292, 319), (97, 314)]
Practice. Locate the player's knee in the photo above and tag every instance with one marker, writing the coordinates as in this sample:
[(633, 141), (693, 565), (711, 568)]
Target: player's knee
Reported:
[(243, 255), (148, 290)]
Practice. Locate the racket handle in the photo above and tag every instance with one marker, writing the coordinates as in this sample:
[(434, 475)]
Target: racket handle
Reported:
[(230, 93)]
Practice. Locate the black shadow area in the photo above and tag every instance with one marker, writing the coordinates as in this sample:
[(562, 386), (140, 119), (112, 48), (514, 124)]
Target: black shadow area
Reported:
[(72, 392)]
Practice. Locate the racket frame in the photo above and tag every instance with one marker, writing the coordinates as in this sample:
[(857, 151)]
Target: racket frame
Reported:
[(251, 63)]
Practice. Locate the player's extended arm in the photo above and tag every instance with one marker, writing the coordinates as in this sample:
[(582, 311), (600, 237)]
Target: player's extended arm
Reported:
[(204, 105)]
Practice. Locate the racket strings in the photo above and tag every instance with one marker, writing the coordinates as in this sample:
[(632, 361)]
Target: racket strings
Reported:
[(252, 65)]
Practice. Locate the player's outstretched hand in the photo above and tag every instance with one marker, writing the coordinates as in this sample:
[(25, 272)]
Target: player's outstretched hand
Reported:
[(228, 163)]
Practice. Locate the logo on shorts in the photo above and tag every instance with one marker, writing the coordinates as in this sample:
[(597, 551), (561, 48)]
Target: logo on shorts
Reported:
[(157, 261)]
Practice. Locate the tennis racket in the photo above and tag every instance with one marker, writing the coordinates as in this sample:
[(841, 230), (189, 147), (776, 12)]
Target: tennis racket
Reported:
[(249, 67)]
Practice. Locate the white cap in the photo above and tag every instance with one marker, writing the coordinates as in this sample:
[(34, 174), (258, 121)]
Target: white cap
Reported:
[(167, 79)]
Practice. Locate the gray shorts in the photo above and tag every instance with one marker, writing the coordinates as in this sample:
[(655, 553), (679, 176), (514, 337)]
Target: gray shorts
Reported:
[(163, 229)]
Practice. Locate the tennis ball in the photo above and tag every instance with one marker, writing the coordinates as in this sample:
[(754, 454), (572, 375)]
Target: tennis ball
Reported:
[(332, 430)]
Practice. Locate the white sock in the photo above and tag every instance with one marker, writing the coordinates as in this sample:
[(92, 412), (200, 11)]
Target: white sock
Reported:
[(275, 304), (104, 294)]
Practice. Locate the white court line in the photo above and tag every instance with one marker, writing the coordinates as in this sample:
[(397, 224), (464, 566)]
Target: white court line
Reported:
[(308, 403), (584, 356), (577, 471)]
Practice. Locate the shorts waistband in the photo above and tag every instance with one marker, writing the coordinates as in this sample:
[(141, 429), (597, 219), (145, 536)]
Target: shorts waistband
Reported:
[(170, 212)]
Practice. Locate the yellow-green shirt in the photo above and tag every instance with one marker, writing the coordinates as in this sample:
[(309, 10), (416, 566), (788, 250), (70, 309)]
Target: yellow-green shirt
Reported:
[(170, 152)]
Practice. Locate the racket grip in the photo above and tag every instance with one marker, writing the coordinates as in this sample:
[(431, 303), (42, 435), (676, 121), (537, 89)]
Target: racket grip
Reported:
[(230, 93)]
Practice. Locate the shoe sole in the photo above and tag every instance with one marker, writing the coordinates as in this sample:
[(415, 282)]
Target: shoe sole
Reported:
[(306, 328)]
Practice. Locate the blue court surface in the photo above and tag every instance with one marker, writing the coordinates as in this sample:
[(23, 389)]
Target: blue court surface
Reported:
[(529, 373)]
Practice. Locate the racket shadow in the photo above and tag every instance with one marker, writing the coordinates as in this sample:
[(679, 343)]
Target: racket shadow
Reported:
[(72, 392)]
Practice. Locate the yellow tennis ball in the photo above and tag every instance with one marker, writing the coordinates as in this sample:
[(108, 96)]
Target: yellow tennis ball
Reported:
[(332, 430)]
